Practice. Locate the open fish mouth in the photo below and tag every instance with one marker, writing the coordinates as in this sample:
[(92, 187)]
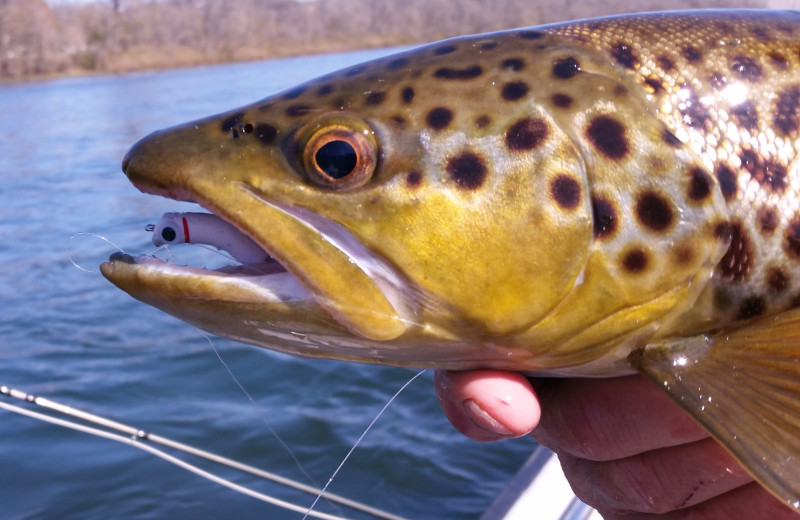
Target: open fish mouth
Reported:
[(265, 279), (287, 256), (252, 275), (254, 268)]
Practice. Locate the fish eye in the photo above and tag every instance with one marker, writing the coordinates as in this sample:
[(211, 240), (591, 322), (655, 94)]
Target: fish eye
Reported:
[(168, 234), (337, 159), (340, 156)]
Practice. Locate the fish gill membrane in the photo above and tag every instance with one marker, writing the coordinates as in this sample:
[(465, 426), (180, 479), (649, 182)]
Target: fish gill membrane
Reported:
[(587, 199), (207, 232)]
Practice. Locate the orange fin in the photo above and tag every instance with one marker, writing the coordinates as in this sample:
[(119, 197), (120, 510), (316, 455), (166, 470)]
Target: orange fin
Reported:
[(743, 386)]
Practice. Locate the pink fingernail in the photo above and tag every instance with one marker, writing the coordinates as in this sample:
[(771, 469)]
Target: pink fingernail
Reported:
[(483, 420)]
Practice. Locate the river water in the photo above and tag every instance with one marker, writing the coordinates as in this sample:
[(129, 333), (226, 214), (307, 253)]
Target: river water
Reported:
[(69, 335)]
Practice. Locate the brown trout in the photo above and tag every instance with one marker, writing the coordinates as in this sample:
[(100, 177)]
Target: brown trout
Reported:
[(588, 199)]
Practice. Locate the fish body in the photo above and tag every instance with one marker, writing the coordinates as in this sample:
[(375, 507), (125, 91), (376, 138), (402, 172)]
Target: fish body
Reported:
[(588, 198)]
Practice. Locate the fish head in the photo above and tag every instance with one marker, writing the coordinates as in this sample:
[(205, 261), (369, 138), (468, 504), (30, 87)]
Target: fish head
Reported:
[(401, 193), (438, 197)]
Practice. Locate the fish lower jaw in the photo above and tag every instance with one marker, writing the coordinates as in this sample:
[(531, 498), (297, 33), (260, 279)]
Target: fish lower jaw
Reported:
[(267, 282)]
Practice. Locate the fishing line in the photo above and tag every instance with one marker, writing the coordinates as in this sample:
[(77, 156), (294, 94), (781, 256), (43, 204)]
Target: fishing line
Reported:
[(101, 237), (320, 493), (260, 412), (358, 441), (136, 437)]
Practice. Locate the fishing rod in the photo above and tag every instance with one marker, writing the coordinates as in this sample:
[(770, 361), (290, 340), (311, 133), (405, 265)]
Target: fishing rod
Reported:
[(140, 439)]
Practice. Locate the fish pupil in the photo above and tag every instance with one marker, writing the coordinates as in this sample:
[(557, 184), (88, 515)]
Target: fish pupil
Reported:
[(337, 159), (168, 234)]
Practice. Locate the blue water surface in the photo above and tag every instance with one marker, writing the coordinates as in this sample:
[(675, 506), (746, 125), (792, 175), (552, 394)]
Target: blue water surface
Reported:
[(69, 335)]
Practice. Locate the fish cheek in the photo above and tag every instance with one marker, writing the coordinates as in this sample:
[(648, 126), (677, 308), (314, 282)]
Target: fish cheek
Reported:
[(499, 237)]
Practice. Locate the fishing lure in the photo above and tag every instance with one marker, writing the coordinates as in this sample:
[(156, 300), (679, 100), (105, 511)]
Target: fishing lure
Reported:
[(204, 228)]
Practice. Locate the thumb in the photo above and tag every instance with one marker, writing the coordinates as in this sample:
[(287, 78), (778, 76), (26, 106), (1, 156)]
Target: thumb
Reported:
[(488, 405)]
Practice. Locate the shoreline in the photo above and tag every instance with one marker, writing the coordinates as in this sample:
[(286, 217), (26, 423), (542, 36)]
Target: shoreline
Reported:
[(203, 61)]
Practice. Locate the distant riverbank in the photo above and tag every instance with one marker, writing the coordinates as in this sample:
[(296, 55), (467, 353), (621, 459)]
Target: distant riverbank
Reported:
[(41, 39)]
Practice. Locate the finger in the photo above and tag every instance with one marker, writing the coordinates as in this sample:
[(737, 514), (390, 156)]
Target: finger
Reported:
[(656, 481), (750, 501), (488, 405), (607, 419)]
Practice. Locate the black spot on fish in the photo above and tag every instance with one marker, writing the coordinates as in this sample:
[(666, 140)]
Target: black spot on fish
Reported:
[(777, 280), (324, 90), (770, 174), (515, 64), (778, 60), (760, 33), (608, 136), (408, 95), (482, 121), (791, 239), (746, 115), (746, 68), (692, 54), (398, 120), (467, 170), (566, 191), (413, 179), (787, 111), (294, 93), (625, 55), (265, 133), (718, 81), (458, 74), (526, 134), (562, 100), (767, 221), (515, 90), (653, 85), (397, 64), (635, 260), (375, 98), (444, 49), (666, 63), (530, 35), (654, 211), (722, 231), (488, 45), (739, 259), (230, 122), (727, 181), (604, 216), (439, 118), (751, 308), (694, 113), (699, 185), (566, 68), (298, 110)]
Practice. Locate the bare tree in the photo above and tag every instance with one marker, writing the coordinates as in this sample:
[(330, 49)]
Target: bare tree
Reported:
[(114, 35)]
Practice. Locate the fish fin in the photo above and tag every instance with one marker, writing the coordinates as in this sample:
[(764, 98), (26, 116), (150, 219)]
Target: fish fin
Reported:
[(743, 386)]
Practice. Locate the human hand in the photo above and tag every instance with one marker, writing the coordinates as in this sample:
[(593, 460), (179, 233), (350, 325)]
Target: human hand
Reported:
[(625, 447)]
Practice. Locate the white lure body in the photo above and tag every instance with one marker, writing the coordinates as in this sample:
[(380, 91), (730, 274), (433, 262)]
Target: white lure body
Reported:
[(208, 229)]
